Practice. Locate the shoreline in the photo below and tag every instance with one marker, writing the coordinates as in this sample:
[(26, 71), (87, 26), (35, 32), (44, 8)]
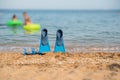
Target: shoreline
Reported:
[(69, 49)]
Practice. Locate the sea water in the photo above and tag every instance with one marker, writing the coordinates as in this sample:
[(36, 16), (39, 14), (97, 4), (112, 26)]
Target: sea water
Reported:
[(83, 29)]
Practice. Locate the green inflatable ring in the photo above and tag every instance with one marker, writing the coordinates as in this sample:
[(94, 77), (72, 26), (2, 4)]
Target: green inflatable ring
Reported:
[(32, 27), (14, 23)]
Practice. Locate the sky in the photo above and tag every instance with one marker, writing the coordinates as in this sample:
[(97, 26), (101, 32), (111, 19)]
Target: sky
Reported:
[(60, 4)]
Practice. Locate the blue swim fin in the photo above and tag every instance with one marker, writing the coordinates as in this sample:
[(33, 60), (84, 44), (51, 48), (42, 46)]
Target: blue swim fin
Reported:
[(59, 45), (44, 43)]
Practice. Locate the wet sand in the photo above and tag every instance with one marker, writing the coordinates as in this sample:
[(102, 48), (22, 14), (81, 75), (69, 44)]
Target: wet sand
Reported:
[(51, 66)]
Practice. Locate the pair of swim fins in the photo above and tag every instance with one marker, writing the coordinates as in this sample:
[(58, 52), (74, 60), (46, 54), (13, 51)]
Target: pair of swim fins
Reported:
[(59, 44), (44, 43)]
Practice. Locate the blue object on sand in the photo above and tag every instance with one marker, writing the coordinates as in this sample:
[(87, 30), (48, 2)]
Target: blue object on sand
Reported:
[(44, 43), (33, 51), (25, 51), (59, 45)]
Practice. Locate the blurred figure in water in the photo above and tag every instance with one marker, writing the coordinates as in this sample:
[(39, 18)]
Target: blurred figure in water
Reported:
[(14, 17), (29, 27), (14, 28), (26, 19)]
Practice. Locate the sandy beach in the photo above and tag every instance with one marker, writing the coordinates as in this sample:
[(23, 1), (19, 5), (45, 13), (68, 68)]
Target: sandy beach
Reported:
[(87, 30), (51, 66)]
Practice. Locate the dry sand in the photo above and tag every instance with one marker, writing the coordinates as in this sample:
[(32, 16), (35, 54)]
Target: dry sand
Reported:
[(75, 66)]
